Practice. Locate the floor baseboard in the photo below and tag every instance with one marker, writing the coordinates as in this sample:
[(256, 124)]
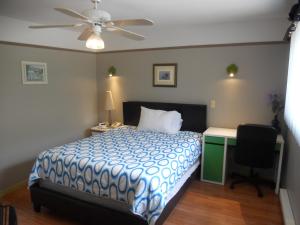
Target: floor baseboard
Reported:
[(12, 188), (287, 212)]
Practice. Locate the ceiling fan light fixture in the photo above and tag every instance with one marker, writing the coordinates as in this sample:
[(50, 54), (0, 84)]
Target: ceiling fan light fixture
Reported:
[(95, 42), (97, 21)]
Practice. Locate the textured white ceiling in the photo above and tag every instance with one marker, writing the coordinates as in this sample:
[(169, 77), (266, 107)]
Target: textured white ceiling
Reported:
[(186, 22), (163, 12)]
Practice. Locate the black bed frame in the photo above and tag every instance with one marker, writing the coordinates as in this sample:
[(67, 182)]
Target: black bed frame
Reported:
[(194, 119)]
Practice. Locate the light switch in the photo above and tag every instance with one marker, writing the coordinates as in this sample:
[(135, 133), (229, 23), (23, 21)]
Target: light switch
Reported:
[(212, 103)]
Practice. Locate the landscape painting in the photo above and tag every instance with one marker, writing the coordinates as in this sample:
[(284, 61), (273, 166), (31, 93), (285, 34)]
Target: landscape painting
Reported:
[(34, 72)]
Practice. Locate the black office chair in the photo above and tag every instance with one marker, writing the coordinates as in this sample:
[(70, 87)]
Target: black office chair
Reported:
[(254, 149)]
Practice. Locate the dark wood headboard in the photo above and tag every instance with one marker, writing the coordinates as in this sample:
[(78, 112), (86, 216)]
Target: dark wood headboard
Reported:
[(194, 116)]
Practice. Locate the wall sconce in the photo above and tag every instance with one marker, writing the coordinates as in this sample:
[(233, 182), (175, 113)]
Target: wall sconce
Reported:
[(232, 70), (112, 71)]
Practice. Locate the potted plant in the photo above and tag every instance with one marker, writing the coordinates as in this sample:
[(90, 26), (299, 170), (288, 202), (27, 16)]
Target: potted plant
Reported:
[(277, 104)]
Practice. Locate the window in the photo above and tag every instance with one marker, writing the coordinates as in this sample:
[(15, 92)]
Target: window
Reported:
[(292, 106)]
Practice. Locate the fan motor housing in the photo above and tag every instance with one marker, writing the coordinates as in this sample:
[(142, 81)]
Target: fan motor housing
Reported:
[(97, 15)]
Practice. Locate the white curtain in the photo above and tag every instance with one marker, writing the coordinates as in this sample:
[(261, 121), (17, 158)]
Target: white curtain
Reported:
[(292, 105)]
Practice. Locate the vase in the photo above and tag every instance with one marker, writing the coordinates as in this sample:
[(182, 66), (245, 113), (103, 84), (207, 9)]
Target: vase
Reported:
[(276, 124)]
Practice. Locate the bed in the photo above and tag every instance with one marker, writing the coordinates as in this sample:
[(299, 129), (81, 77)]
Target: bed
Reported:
[(122, 176)]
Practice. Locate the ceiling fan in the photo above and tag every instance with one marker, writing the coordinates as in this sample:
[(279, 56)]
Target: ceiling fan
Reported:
[(95, 22)]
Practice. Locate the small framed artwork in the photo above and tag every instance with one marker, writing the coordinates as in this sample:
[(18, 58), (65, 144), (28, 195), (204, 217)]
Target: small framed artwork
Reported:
[(34, 72), (165, 75)]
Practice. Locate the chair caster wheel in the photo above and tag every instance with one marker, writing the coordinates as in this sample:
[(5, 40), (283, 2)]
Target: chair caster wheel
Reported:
[(37, 207)]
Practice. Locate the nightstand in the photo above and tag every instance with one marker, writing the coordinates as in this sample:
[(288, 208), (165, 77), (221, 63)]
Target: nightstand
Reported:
[(97, 129)]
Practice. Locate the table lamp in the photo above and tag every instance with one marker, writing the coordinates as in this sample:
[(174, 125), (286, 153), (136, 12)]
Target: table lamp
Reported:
[(109, 105)]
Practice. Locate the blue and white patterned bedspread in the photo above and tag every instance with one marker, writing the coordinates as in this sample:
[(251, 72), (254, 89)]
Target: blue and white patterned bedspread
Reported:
[(136, 167)]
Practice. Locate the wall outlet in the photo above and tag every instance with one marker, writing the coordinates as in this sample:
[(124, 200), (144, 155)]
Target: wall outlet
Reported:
[(213, 104)]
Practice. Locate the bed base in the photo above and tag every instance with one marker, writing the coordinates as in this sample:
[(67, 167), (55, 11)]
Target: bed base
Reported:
[(91, 214)]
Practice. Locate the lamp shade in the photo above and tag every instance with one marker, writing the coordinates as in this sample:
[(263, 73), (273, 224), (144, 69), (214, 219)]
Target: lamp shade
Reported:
[(109, 102)]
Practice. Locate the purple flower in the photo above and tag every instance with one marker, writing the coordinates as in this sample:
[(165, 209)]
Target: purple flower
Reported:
[(276, 102)]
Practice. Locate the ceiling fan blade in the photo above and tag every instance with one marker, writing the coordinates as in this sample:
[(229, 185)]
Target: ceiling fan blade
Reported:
[(131, 22), (71, 12), (126, 33), (55, 26), (85, 34)]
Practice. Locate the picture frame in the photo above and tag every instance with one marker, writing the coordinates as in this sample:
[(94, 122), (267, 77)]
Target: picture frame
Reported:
[(165, 75), (34, 72)]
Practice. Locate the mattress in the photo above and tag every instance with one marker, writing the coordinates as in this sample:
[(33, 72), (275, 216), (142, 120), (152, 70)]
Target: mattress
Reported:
[(139, 168)]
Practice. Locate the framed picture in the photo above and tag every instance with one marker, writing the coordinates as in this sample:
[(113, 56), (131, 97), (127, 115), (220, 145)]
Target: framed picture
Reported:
[(34, 72), (165, 75)]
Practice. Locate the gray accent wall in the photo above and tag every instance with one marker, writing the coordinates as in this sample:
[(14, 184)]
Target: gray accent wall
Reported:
[(201, 78), (34, 118)]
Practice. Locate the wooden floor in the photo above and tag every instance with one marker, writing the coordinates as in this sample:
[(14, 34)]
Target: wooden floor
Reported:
[(203, 203)]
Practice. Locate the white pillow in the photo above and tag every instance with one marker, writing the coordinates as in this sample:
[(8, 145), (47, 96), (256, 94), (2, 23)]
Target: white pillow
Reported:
[(159, 120)]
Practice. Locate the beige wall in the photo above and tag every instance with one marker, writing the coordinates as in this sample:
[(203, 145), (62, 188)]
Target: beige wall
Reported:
[(37, 117), (34, 118), (201, 78), (292, 174)]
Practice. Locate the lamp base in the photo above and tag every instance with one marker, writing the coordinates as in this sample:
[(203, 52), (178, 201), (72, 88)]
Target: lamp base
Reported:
[(109, 118)]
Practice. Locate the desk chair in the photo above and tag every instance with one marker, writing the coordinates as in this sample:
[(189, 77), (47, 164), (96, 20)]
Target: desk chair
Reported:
[(254, 149)]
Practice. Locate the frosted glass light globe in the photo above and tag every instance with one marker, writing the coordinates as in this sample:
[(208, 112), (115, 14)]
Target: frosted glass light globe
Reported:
[(95, 42)]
